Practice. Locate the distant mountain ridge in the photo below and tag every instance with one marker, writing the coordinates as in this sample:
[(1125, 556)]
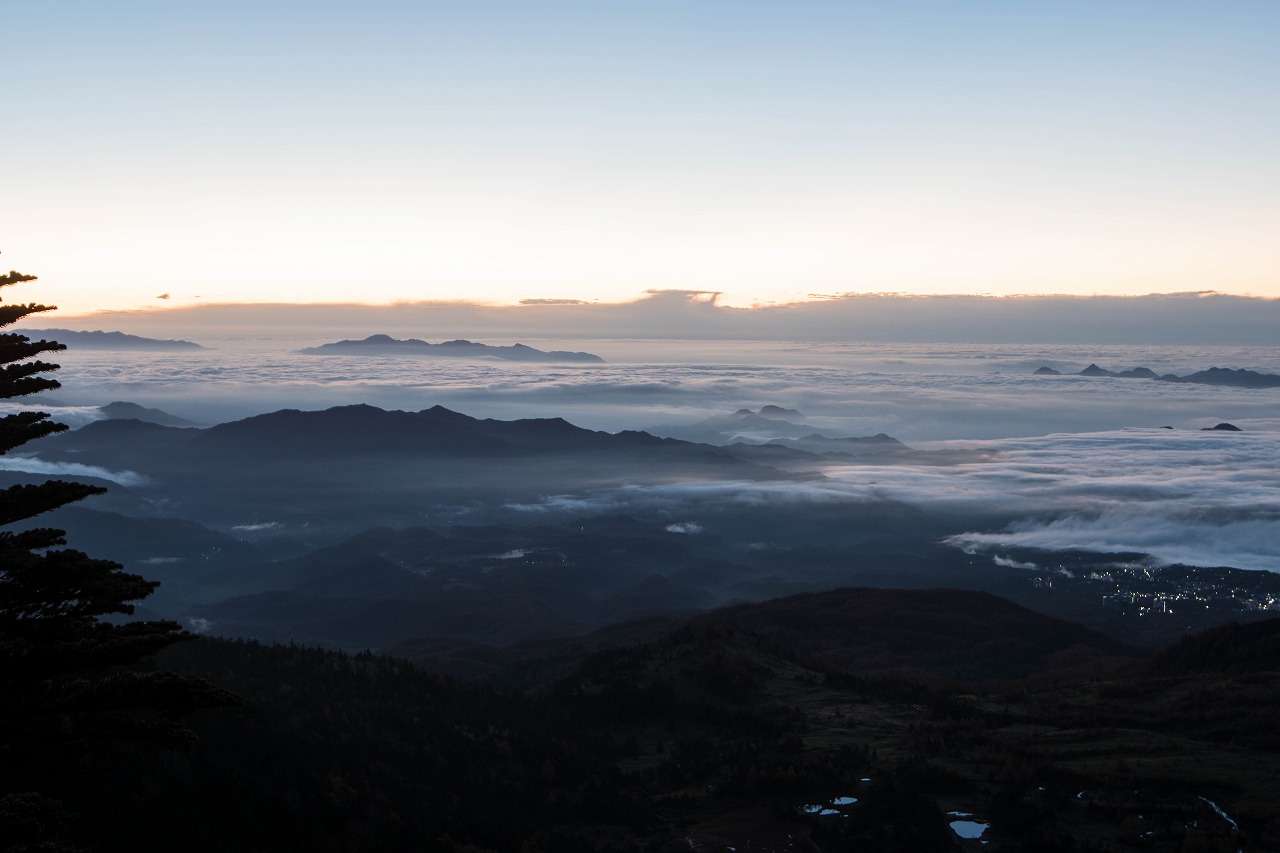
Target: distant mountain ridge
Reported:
[(1241, 378), (355, 466), (107, 340), (387, 345), (747, 431), (121, 410), (365, 432)]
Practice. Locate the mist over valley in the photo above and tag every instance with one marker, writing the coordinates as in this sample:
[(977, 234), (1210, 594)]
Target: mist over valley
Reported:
[(913, 392), (754, 472)]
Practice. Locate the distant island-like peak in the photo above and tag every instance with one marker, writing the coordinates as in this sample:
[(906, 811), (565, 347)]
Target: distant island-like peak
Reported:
[(121, 410), (769, 412), (458, 348), (106, 340), (1213, 376)]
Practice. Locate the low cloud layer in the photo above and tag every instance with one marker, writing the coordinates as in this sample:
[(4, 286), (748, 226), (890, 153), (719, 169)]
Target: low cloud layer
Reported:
[(1081, 461), (1201, 498), (1170, 534), (35, 465), (1176, 319), (915, 393), (72, 416)]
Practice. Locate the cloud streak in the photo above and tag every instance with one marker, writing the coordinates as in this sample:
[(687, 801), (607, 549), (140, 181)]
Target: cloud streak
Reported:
[(35, 465)]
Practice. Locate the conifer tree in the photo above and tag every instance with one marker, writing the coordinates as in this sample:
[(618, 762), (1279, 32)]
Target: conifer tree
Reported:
[(65, 675)]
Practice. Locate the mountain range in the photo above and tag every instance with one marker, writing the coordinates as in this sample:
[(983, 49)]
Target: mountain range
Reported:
[(738, 678), (107, 340), (771, 427), (1241, 378), (358, 527), (383, 345), (132, 411), (328, 474)]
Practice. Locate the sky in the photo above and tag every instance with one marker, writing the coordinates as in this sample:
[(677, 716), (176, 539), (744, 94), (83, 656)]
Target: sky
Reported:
[(767, 151)]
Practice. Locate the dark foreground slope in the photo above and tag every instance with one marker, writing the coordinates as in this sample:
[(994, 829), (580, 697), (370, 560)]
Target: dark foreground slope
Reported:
[(920, 635), (714, 736), (927, 636), (331, 752), (1231, 648)]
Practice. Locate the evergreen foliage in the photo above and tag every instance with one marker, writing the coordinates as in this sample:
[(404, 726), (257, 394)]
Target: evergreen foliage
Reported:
[(64, 674), (342, 752), (1232, 647)]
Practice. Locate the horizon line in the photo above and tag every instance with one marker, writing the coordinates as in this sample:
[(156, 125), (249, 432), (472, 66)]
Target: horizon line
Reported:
[(689, 297)]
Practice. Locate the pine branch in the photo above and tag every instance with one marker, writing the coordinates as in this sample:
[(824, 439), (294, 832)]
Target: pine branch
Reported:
[(14, 277)]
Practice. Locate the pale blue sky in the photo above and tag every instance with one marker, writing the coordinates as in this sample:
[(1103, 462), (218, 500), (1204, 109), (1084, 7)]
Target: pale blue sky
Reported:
[(500, 150)]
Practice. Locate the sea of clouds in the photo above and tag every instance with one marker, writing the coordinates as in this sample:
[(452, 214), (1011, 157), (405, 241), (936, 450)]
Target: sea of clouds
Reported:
[(1199, 498), (916, 393), (1084, 460)]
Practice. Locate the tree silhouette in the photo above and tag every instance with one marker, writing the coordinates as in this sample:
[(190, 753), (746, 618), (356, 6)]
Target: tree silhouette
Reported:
[(65, 677)]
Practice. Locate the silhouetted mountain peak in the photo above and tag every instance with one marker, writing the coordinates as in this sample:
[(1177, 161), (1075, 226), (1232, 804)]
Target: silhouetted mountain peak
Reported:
[(120, 410), (855, 445), (1213, 376), (383, 345), (366, 431), (1227, 376), (126, 426), (1138, 373), (107, 340), (440, 413)]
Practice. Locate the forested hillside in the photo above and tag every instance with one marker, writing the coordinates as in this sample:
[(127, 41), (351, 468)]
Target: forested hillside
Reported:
[(716, 733)]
